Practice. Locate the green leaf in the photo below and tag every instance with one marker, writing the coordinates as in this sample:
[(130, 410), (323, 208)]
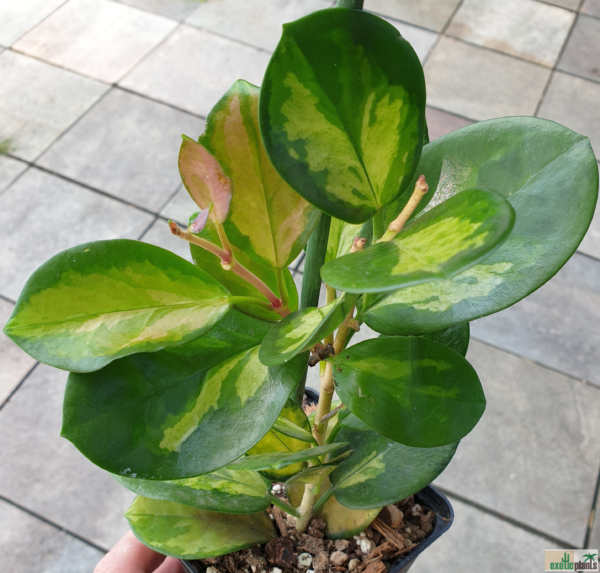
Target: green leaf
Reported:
[(348, 420), (273, 441), (312, 476), (343, 522), (303, 329), (268, 220), (278, 460), (288, 428), (448, 239), (100, 301), (180, 412), (456, 337), (225, 491), (188, 533), (211, 264), (342, 111), (341, 237), (549, 175), (411, 390), (381, 472)]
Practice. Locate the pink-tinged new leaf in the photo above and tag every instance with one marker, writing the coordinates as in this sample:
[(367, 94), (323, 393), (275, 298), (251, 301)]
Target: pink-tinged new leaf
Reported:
[(200, 221), (204, 179)]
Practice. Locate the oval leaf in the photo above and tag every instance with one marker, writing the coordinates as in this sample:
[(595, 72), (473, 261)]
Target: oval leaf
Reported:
[(225, 491), (189, 533), (549, 175), (381, 472), (168, 415), (456, 337), (342, 111), (448, 239), (303, 329), (411, 390), (273, 441), (99, 301), (204, 179), (278, 460), (268, 220), (211, 264)]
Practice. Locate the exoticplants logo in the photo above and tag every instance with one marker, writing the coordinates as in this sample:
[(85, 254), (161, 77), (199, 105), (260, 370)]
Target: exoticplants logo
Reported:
[(571, 560)]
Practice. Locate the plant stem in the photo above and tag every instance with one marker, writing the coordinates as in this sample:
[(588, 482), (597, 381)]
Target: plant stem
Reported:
[(285, 506), (282, 287), (191, 238), (315, 257), (306, 507), (356, 4)]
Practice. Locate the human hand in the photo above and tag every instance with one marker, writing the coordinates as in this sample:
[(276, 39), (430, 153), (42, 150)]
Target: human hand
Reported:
[(131, 556)]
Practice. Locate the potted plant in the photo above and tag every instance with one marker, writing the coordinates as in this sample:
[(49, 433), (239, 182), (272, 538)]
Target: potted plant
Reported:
[(187, 379)]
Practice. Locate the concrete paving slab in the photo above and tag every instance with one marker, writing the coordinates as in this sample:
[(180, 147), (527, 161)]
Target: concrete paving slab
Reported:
[(582, 52), (440, 123), (160, 235), (38, 102), (591, 7), (595, 534), (421, 40), (480, 84), (10, 169), (534, 456), (29, 544), (218, 62), (557, 325), (180, 207), (591, 242), (176, 9), (249, 22), (478, 541), (523, 28), (97, 38), (61, 215), (574, 102), (569, 4), (17, 18), (127, 146), (37, 464), (14, 363), (431, 14)]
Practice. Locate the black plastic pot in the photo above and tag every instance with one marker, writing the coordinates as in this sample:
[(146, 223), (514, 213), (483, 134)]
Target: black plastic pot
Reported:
[(428, 497)]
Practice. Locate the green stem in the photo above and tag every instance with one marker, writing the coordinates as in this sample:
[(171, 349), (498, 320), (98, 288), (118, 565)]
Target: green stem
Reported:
[(315, 257), (355, 4), (282, 287), (306, 508), (285, 506)]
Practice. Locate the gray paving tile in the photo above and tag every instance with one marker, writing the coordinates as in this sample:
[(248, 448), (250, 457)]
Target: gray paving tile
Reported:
[(160, 235), (574, 103), (14, 363), (523, 28), (38, 102), (17, 18), (252, 21), (591, 7), (176, 9), (180, 207), (127, 146), (97, 38), (37, 463), (440, 123), (421, 40), (591, 243), (167, 75), (432, 14), (480, 84), (28, 544), (557, 325), (534, 456), (10, 169), (41, 214), (595, 536), (569, 4), (582, 52), (478, 541)]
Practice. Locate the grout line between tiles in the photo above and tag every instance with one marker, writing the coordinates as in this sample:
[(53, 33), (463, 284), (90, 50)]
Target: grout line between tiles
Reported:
[(158, 101), (593, 514), (52, 524), (18, 386), (453, 114), (148, 228), (147, 11), (7, 299), (516, 523), (236, 40), (38, 24), (442, 33)]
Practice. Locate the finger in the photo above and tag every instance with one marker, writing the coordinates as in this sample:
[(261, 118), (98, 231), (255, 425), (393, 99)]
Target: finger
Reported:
[(129, 556), (170, 565)]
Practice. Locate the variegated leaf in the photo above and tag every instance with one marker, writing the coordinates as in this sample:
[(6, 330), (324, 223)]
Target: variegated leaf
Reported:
[(312, 475), (99, 301), (342, 111), (211, 264), (288, 428), (204, 179), (274, 441), (303, 329), (188, 533), (341, 237), (225, 491), (268, 220), (410, 389), (183, 411), (549, 175), (381, 472), (448, 239), (456, 337), (343, 522)]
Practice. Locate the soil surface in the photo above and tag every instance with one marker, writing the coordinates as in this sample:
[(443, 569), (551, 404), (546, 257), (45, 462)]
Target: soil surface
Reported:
[(397, 530)]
